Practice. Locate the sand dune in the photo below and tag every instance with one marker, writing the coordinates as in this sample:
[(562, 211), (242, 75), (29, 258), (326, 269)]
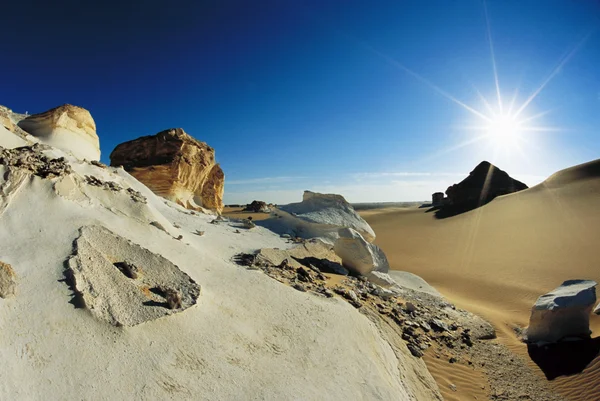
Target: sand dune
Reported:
[(496, 260)]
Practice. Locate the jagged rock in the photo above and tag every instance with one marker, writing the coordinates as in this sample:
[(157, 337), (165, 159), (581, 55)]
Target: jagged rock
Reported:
[(320, 215), (67, 127), (257, 207), (124, 284), (563, 312), (175, 166), (31, 159), (8, 281), (358, 255), (482, 185)]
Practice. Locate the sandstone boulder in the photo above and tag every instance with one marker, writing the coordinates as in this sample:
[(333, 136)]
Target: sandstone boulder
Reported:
[(358, 255), (563, 312), (175, 166), (66, 127), (321, 215)]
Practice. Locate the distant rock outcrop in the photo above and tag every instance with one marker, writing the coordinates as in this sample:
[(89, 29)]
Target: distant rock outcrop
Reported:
[(482, 185), (175, 166), (257, 207), (320, 215), (563, 312), (67, 127)]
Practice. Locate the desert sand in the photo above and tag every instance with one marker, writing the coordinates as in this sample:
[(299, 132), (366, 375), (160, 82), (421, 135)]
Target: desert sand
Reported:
[(496, 260)]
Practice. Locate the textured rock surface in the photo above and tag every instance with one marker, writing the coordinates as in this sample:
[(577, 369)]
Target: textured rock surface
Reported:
[(358, 255), (8, 281), (175, 166), (563, 312), (66, 127), (257, 207), (482, 185), (321, 215), (125, 284)]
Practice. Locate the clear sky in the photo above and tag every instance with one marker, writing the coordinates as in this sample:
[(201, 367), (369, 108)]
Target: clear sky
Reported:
[(376, 100)]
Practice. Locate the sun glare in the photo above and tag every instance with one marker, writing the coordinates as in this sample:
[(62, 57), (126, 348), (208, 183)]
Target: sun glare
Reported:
[(504, 131)]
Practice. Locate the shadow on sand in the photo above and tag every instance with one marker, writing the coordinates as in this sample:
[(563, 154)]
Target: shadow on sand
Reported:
[(564, 358)]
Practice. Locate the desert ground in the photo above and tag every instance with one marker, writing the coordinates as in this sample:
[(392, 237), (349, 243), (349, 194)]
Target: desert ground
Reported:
[(496, 261), (238, 213)]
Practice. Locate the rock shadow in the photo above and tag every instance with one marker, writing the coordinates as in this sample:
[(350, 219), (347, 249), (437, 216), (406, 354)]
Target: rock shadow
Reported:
[(564, 358), (323, 265)]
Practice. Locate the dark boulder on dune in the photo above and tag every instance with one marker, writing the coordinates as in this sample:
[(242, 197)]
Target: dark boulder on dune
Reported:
[(482, 185)]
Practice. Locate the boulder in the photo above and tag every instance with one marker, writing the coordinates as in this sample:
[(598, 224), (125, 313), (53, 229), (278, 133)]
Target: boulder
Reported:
[(563, 312), (175, 166), (358, 255), (321, 215), (257, 207), (66, 127), (8, 281)]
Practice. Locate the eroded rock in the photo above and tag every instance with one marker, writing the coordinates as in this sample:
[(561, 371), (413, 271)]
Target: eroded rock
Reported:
[(8, 281), (124, 284), (358, 255), (563, 312), (175, 166), (67, 127)]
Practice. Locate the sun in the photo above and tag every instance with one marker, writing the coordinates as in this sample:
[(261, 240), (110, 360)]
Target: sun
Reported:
[(505, 130)]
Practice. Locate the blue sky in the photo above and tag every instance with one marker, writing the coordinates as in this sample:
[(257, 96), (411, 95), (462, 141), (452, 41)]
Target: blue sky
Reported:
[(352, 97)]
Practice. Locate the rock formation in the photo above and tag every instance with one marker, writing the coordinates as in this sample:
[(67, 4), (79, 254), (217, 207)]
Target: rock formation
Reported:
[(175, 166), (563, 312), (257, 207), (358, 255), (437, 199), (319, 215), (66, 127), (105, 273), (482, 185), (8, 281)]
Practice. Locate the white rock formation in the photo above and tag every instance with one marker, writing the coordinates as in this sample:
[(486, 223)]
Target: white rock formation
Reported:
[(563, 312), (320, 215), (66, 127), (248, 335), (358, 255)]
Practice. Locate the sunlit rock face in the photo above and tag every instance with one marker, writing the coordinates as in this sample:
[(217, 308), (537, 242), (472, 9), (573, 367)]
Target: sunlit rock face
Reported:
[(563, 312), (67, 127), (175, 166)]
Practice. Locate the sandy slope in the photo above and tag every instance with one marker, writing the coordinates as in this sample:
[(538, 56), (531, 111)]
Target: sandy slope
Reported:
[(496, 260)]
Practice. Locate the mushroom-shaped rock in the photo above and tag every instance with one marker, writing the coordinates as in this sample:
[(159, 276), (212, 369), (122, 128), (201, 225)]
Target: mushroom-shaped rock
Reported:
[(322, 215), (175, 166), (358, 255), (66, 127), (8, 281), (563, 312)]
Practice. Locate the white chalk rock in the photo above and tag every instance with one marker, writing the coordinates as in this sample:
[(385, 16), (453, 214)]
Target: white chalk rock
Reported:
[(358, 255), (66, 127), (597, 309), (321, 215), (563, 312)]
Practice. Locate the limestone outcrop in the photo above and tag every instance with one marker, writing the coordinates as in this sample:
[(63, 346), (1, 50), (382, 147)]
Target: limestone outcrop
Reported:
[(175, 166), (125, 284), (563, 312), (358, 255), (67, 127), (320, 215)]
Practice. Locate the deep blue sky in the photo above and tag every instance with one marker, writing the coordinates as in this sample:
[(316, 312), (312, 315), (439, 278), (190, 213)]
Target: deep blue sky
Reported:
[(300, 95)]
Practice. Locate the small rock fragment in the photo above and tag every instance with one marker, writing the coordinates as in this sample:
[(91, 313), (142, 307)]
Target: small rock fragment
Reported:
[(8, 280), (173, 298)]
